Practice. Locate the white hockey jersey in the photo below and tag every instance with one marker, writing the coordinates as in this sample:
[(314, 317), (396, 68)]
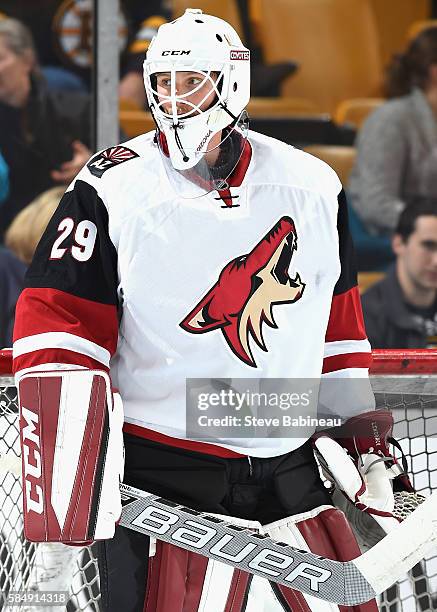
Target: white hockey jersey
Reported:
[(255, 281)]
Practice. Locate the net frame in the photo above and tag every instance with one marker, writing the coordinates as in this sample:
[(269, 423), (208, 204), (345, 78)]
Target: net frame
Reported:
[(405, 381), (24, 565)]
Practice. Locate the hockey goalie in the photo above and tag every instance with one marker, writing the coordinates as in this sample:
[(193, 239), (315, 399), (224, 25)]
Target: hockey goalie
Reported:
[(200, 250)]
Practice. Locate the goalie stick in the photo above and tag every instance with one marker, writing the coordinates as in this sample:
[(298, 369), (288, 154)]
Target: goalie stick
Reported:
[(344, 583)]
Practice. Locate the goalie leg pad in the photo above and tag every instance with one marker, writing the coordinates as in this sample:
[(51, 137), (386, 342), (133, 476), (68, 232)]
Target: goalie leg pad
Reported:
[(72, 455), (180, 580), (175, 577), (326, 532), (183, 581)]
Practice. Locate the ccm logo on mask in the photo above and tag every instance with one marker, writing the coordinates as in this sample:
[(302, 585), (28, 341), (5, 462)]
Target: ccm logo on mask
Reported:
[(176, 52)]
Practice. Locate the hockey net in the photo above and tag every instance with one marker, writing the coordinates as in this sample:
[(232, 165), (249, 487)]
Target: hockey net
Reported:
[(404, 382)]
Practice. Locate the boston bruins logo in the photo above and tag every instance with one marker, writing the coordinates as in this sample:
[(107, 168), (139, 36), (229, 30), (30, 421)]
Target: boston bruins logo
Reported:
[(73, 32)]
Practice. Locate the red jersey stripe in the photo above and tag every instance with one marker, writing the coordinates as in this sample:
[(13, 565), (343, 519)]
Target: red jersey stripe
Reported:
[(42, 310), (346, 318), (346, 360), (191, 445), (35, 358)]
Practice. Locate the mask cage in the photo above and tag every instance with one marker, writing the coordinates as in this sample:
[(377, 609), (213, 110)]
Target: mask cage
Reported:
[(157, 101)]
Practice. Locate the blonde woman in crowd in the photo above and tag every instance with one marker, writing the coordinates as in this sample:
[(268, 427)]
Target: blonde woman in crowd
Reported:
[(22, 238), (28, 226)]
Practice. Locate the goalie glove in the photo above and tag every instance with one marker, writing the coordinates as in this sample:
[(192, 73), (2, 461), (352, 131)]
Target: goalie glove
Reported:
[(361, 463), (72, 455)]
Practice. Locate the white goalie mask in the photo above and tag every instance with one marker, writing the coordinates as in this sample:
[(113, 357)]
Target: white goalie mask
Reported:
[(197, 80)]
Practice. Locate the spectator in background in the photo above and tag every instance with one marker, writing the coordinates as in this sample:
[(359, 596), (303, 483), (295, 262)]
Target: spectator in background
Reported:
[(43, 135), (26, 229), (12, 272), (397, 145), (63, 36), (401, 310), (143, 20), (4, 179), (21, 241), (63, 30)]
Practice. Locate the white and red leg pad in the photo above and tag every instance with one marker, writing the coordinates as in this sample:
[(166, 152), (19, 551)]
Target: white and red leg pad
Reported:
[(326, 532), (72, 455), (183, 581)]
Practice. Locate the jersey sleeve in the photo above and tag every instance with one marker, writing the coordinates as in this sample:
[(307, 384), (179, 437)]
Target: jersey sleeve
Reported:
[(68, 310), (345, 386)]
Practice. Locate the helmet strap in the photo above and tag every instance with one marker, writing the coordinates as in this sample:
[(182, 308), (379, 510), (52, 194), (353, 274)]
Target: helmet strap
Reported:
[(226, 109), (185, 157)]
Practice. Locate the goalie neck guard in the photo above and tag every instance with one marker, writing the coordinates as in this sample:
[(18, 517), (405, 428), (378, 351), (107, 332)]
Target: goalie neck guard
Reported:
[(190, 128)]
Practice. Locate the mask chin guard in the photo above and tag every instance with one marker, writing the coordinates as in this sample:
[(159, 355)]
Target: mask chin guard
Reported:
[(204, 176)]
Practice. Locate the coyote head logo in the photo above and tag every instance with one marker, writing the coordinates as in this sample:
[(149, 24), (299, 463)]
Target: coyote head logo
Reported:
[(246, 291)]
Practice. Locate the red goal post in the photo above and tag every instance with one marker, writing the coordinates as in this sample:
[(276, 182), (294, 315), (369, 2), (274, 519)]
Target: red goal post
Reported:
[(6, 362), (404, 361)]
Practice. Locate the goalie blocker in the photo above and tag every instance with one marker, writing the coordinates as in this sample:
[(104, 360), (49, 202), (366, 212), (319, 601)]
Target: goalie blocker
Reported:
[(72, 455)]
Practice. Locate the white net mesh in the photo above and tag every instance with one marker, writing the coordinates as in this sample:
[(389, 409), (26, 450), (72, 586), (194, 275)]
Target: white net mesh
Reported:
[(26, 566), (413, 401), (406, 503)]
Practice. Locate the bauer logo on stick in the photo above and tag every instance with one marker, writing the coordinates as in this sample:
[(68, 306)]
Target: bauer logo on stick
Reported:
[(256, 555)]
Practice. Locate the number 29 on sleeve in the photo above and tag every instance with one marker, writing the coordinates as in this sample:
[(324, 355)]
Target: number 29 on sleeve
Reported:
[(85, 234)]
